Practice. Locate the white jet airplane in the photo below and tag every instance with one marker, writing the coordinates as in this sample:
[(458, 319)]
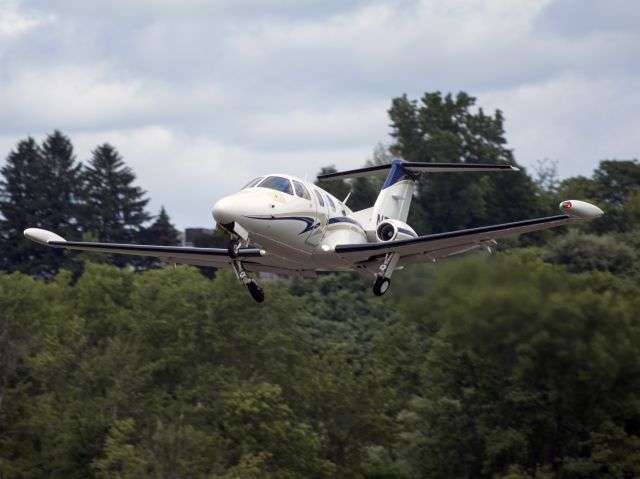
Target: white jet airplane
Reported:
[(281, 224)]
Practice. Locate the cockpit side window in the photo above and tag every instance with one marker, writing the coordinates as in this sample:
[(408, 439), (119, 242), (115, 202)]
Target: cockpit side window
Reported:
[(320, 200), (277, 183), (301, 190), (252, 183), (333, 206)]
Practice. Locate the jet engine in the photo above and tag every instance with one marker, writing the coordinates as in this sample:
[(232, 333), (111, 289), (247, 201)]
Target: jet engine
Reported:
[(391, 230)]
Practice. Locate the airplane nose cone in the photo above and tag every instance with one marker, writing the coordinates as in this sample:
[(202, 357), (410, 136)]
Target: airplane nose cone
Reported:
[(226, 210)]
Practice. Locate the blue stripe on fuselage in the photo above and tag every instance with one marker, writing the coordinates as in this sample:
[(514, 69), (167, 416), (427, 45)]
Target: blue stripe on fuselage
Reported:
[(310, 222), (343, 219)]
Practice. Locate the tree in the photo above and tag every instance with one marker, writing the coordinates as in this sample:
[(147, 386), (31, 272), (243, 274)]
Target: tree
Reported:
[(114, 209), (613, 186), (160, 232), (445, 129), (532, 366), (40, 189)]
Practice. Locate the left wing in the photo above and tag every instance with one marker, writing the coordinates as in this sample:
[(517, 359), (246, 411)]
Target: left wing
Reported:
[(446, 244), (252, 259)]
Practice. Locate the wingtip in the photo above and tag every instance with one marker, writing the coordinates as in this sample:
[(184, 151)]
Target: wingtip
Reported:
[(580, 209), (514, 168), (42, 236)]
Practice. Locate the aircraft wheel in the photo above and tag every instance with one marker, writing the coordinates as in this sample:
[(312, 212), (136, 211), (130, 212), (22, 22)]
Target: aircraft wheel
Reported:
[(381, 285), (234, 248), (257, 293)]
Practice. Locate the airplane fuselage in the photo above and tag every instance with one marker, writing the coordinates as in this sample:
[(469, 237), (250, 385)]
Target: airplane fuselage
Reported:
[(293, 219)]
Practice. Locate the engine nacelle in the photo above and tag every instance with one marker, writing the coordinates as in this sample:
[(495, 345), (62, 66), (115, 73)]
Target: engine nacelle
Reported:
[(392, 230)]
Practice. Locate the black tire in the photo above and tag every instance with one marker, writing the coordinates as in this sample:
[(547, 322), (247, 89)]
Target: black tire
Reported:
[(381, 285), (257, 293), (234, 248)]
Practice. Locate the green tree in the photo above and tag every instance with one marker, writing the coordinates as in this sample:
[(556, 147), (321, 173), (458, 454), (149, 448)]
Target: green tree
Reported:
[(529, 366), (40, 189), (114, 209), (614, 187), (160, 232), (446, 129)]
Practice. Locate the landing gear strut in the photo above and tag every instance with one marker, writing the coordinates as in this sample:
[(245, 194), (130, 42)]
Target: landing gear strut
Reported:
[(383, 277), (257, 293), (234, 248)]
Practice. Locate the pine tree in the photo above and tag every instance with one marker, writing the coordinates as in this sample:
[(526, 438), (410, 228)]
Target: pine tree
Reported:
[(160, 232), (114, 209), (40, 189)]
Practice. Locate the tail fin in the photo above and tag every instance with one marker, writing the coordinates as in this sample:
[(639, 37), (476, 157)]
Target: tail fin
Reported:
[(395, 197)]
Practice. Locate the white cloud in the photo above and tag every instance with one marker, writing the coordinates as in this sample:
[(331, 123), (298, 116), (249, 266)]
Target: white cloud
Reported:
[(14, 21), (72, 96), (187, 175), (578, 121)]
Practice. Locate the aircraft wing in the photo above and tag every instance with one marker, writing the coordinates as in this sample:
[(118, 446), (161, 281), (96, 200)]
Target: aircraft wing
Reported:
[(431, 247), (253, 259)]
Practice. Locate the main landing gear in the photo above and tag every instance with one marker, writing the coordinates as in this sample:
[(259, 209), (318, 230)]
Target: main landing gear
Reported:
[(383, 276)]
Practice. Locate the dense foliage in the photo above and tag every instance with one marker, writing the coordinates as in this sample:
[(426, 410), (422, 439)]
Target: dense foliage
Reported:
[(500, 366), (524, 364)]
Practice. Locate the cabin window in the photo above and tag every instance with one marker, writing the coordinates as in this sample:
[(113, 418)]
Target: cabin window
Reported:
[(252, 183), (301, 190), (277, 183), (333, 206), (320, 200)]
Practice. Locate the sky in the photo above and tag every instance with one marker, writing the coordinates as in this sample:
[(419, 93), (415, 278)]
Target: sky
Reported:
[(200, 96)]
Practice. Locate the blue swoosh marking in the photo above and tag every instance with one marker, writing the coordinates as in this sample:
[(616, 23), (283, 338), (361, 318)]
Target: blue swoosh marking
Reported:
[(344, 219), (309, 222)]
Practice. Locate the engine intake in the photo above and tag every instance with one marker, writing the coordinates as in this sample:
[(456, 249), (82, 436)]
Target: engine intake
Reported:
[(386, 231)]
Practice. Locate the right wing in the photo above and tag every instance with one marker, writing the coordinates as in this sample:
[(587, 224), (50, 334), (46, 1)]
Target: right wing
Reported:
[(454, 242), (252, 259)]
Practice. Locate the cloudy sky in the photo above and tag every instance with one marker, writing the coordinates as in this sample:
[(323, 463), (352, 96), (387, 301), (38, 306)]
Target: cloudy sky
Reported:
[(199, 96)]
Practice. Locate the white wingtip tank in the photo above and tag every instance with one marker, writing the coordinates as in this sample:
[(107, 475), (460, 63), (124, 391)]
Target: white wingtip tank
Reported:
[(42, 236), (580, 209)]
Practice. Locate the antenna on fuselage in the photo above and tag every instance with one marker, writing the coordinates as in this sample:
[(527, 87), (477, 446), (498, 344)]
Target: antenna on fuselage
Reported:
[(344, 202)]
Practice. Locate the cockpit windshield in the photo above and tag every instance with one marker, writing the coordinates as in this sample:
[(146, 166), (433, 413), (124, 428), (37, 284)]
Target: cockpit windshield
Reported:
[(252, 183), (277, 183)]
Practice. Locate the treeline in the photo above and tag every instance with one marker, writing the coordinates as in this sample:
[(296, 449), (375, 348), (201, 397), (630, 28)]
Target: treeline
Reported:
[(44, 186), (496, 366), (505, 366)]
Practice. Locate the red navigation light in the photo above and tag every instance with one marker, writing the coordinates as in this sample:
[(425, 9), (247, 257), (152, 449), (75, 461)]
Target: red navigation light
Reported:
[(567, 205)]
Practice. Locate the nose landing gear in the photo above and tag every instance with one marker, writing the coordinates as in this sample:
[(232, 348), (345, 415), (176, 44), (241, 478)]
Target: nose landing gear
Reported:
[(234, 248), (257, 293)]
